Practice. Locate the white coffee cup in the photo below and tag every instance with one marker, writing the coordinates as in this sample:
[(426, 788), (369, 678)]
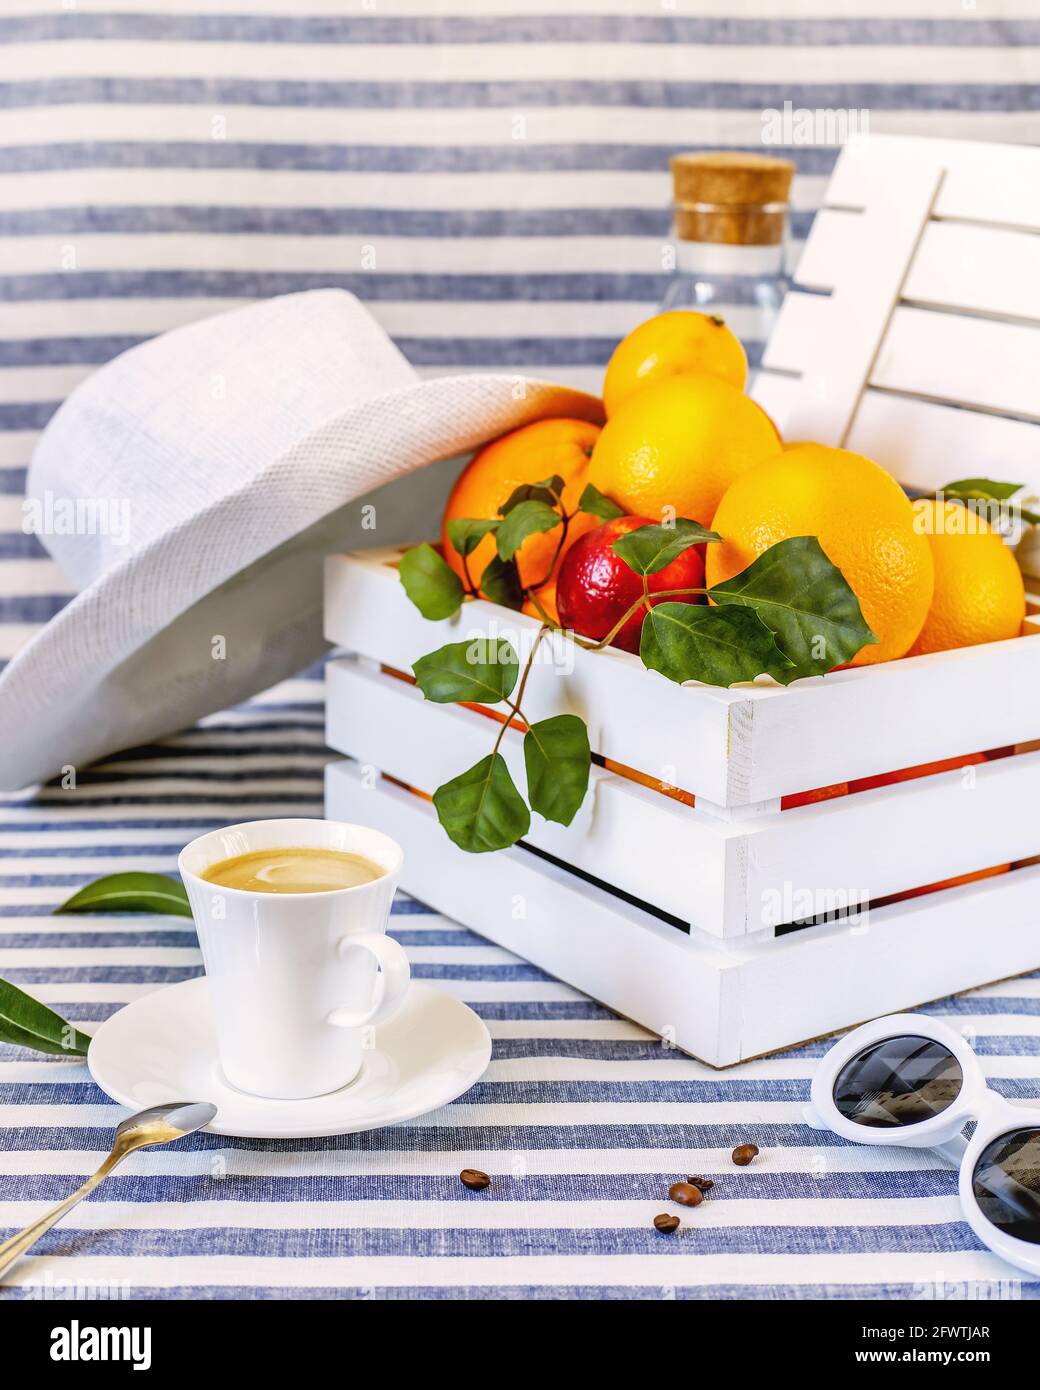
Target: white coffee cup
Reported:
[(293, 976)]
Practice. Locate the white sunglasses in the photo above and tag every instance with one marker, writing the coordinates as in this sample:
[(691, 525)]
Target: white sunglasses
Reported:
[(916, 1082)]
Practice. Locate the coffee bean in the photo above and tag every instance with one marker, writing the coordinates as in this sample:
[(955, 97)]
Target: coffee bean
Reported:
[(666, 1224), (474, 1179), (743, 1154), (705, 1184), (686, 1194)]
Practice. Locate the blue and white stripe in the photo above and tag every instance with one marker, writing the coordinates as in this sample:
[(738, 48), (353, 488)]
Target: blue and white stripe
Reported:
[(506, 163), (504, 160), (583, 1119)]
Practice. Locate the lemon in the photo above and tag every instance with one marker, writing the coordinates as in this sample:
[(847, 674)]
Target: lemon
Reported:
[(678, 342), (863, 521), (675, 447), (979, 591)]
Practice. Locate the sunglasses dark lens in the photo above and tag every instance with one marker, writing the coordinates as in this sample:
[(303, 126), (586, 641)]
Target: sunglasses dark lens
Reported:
[(897, 1082), (1006, 1183)]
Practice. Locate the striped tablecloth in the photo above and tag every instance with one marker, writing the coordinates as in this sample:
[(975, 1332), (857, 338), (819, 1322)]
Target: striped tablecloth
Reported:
[(491, 177), (583, 1119)]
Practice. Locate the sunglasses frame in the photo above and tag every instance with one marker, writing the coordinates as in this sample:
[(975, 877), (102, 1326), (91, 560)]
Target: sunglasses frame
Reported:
[(977, 1101)]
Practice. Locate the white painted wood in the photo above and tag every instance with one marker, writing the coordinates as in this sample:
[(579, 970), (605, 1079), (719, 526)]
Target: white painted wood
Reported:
[(835, 364), (962, 266), (873, 844), (899, 714), (825, 978), (727, 878), (922, 443), (987, 270), (739, 747), (927, 445), (984, 182), (613, 951), (647, 845), (721, 1005), (982, 363), (627, 708)]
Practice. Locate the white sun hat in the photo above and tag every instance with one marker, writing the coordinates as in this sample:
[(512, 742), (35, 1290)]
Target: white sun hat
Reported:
[(190, 488)]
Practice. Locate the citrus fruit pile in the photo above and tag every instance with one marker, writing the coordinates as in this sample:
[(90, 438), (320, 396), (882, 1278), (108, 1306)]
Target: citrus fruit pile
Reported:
[(682, 441)]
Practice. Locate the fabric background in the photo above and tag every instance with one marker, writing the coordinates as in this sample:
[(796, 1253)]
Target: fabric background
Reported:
[(490, 177)]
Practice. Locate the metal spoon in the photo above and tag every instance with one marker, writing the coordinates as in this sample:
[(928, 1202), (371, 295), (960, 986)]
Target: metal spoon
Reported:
[(159, 1125)]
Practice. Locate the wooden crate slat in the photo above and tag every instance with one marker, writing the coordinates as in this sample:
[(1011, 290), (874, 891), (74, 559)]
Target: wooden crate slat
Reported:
[(982, 363), (814, 982), (926, 445), (895, 715), (577, 932), (624, 833), (737, 747), (922, 443), (720, 1004), (873, 844), (984, 182), (726, 878), (627, 708), (959, 266), (835, 364), (986, 270)]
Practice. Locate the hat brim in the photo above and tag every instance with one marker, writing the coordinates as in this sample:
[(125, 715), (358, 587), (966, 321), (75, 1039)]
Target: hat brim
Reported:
[(229, 602)]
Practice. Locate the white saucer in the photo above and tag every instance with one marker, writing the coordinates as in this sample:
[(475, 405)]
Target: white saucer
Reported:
[(162, 1047)]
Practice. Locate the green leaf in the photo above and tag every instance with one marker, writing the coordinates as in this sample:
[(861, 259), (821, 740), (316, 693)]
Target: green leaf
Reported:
[(805, 601), (557, 757), (481, 671), (525, 519), (482, 810), (500, 583), (986, 490), (548, 490), (691, 642), (651, 548), (132, 892), (25, 1022), (465, 534), (430, 582), (597, 503)]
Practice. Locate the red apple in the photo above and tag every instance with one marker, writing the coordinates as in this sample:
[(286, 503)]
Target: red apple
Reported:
[(596, 588)]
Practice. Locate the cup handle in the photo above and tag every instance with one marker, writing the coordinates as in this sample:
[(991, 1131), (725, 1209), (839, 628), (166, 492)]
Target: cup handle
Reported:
[(394, 978)]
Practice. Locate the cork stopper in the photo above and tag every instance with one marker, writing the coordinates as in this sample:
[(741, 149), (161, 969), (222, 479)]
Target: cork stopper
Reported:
[(731, 197)]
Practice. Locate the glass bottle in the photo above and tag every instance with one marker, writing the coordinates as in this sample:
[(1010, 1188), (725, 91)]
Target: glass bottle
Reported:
[(730, 225)]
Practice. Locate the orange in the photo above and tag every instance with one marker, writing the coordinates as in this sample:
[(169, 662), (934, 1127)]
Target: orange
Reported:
[(680, 341), (862, 519), (979, 592), (675, 446), (527, 455)]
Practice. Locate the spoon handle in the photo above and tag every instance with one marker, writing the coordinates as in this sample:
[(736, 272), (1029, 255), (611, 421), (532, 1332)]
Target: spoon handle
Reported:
[(18, 1244)]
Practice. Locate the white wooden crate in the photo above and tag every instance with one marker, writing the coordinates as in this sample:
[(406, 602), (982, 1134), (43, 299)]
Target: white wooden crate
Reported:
[(677, 895)]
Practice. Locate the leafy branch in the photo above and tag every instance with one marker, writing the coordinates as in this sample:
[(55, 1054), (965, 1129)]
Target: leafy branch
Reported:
[(790, 614), (975, 490), (25, 1022)]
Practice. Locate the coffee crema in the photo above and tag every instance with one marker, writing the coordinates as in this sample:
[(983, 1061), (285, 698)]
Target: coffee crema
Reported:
[(293, 869)]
